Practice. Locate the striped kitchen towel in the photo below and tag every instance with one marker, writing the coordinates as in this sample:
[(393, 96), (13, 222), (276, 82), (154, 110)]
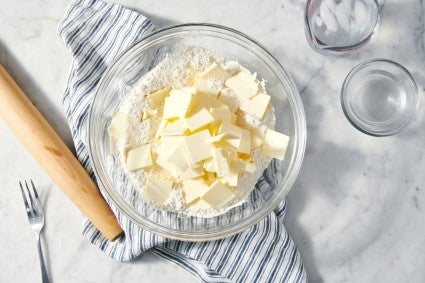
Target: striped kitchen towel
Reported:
[(95, 32)]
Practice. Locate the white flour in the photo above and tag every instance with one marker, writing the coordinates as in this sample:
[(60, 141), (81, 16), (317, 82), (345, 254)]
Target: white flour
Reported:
[(178, 70)]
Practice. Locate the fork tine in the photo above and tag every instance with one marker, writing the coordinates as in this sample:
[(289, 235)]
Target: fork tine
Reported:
[(34, 189), (24, 197), (32, 204)]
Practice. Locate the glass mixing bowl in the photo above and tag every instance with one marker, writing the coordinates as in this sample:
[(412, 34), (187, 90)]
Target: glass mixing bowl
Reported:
[(139, 59)]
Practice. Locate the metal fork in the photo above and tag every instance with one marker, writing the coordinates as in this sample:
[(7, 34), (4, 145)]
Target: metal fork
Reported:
[(36, 220)]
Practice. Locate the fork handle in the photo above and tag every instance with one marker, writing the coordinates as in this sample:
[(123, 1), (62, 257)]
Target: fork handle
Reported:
[(44, 277), (54, 156)]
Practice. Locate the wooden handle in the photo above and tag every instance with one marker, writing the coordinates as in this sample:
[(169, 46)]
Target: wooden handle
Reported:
[(54, 156)]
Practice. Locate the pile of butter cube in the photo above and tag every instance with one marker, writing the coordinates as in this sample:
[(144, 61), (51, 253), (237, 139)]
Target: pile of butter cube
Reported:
[(199, 143)]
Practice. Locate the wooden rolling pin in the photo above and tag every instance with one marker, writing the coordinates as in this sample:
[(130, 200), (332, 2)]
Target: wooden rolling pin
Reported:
[(54, 156)]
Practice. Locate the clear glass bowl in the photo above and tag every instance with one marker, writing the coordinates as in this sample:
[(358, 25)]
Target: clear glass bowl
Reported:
[(139, 59), (379, 97), (340, 26)]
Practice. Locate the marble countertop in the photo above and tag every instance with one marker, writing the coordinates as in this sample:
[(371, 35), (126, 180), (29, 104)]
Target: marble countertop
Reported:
[(357, 209)]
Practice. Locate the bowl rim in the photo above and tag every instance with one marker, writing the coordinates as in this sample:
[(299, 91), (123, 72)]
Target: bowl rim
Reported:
[(300, 129)]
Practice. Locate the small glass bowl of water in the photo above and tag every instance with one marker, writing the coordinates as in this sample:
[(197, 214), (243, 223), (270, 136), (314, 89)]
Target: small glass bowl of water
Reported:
[(379, 97), (340, 26)]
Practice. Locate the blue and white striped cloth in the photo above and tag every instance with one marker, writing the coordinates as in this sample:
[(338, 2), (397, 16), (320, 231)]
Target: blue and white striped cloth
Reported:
[(95, 32)]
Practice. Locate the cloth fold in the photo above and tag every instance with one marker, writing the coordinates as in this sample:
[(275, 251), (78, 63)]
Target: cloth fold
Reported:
[(95, 32)]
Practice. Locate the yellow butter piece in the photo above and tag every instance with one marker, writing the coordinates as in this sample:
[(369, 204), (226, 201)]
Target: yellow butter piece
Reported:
[(196, 147), (157, 190), (257, 138), (217, 138), (222, 114), (176, 128), (257, 105), (229, 152), (157, 97), (199, 203), (192, 90), (199, 119), (177, 104), (240, 165), (191, 173), (231, 101), (179, 159), (167, 166), (203, 87), (161, 126), (221, 163), (167, 145), (139, 157), (218, 195), (215, 72), (230, 179), (245, 142), (209, 165), (230, 130), (210, 177), (193, 189), (118, 126), (275, 144), (243, 84)]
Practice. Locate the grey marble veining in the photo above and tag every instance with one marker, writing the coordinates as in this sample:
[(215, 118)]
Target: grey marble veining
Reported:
[(356, 211)]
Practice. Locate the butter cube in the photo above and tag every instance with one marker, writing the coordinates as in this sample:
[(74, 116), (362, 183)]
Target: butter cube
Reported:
[(229, 152), (176, 128), (191, 173), (167, 166), (177, 104), (199, 119), (118, 126), (139, 157), (275, 144), (199, 203), (221, 114), (192, 90), (215, 72), (215, 139), (243, 84), (220, 162), (179, 159), (257, 138), (157, 97), (217, 195), (230, 99), (245, 142), (230, 179), (157, 190), (160, 128), (210, 177), (240, 165), (257, 105), (230, 130), (167, 145), (203, 87), (209, 165), (196, 147), (193, 189)]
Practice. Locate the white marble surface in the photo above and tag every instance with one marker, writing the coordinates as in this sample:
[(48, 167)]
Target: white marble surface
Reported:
[(357, 209)]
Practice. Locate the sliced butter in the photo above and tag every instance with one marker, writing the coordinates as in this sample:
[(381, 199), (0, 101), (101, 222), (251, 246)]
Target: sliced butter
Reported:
[(230, 179), (175, 128), (275, 144), (191, 173), (177, 104), (221, 164), (240, 165), (257, 105), (245, 142), (243, 84), (203, 87), (196, 147), (222, 114), (217, 195), (215, 72), (157, 190), (193, 189), (118, 126), (139, 157), (199, 119)]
